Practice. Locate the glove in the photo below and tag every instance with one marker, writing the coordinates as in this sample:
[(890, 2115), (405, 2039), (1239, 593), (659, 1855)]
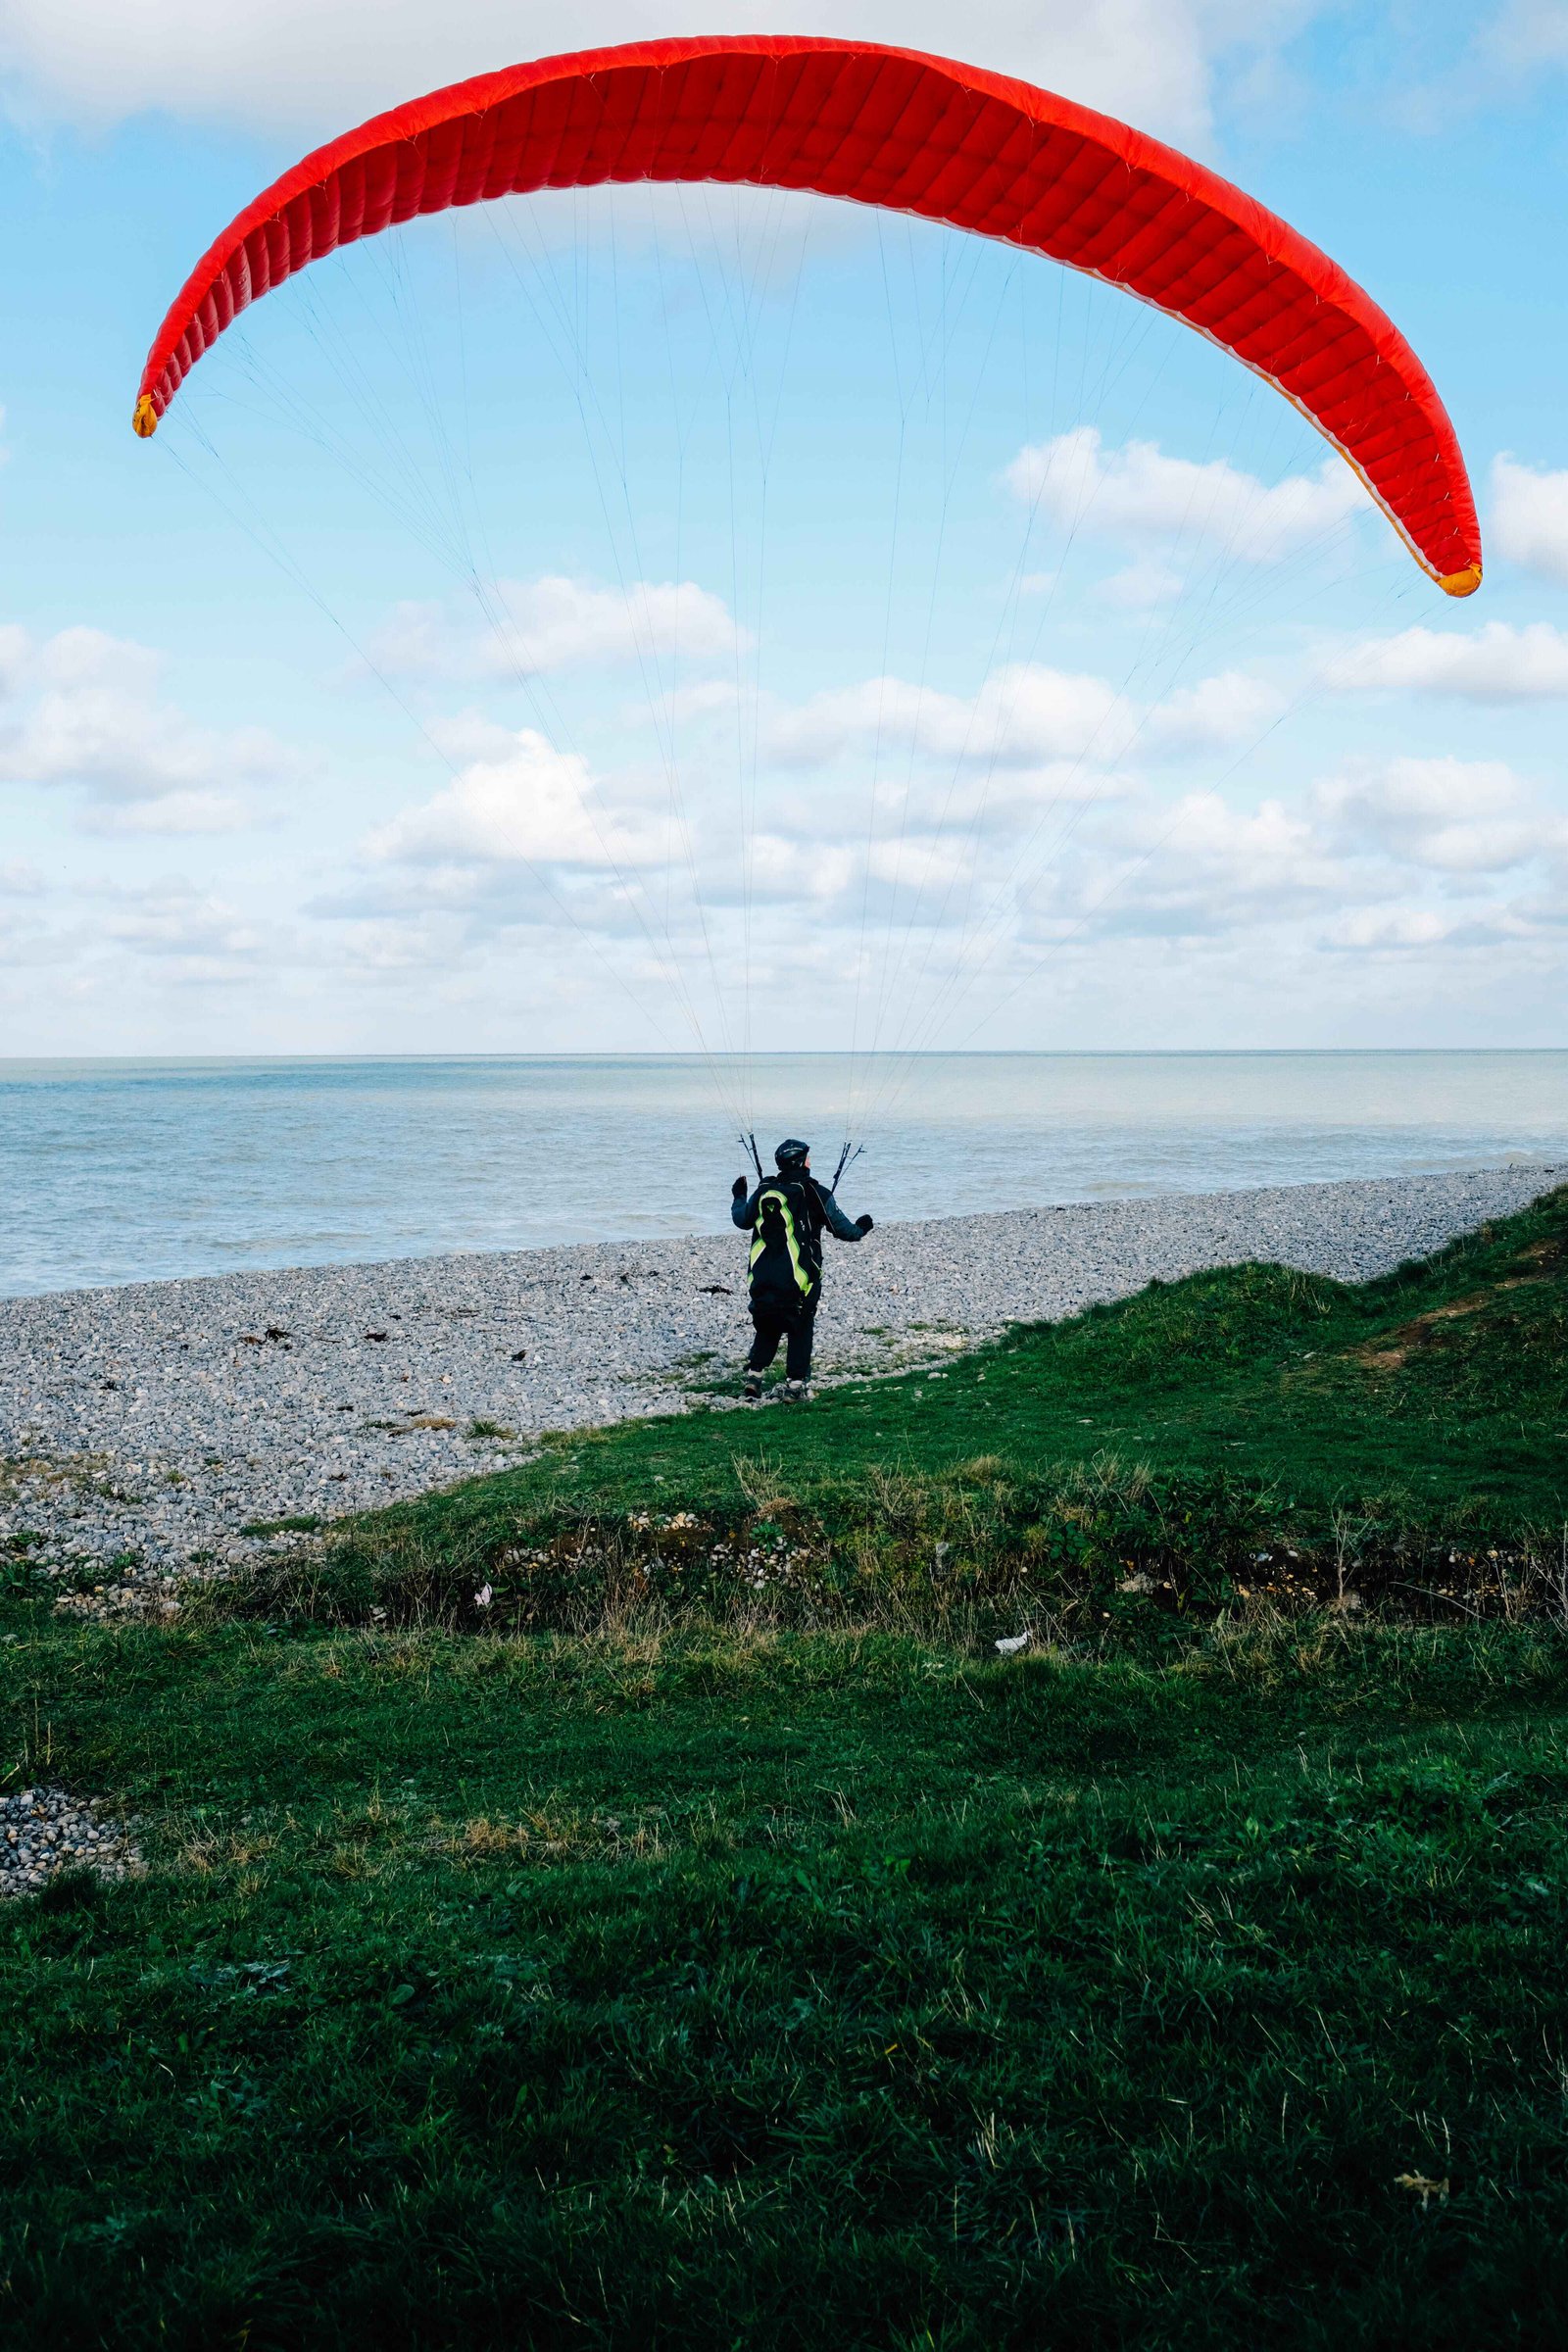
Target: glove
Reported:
[(739, 1189), (862, 1226)]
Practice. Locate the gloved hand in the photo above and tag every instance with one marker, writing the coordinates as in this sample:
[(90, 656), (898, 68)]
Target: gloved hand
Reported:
[(739, 1189), (862, 1226)]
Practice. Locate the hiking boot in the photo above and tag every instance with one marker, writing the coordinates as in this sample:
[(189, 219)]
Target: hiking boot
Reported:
[(752, 1387), (796, 1392)]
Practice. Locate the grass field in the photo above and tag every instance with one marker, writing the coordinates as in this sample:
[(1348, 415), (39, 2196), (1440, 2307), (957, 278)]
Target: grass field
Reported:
[(770, 1963)]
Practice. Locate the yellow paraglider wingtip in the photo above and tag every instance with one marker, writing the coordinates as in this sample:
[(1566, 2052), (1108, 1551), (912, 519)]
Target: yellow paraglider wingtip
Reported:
[(1461, 583), (145, 417)]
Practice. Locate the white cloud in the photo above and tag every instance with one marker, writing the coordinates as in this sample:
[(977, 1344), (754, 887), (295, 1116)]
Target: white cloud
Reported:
[(1499, 57), (1372, 928), (1141, 586), (1238, 860), (27, 944), (323, 63), (1199, 869), (557, 623), (82, 658), (518, 801), (1409, 854), (1459, 817), (177, 921), (785, 872), (16, 650), (1530, 517), (1497, 664), (1401, 929), (171, 812), (919, 862), (90, 720), (1023, 714), (1140, 492), (1266, 849), (1530, 33), (1215, 713), (1025, 717), (708, 697)]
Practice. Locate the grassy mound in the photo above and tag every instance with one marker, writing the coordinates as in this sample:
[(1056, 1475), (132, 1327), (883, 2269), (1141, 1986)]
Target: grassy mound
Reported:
[(1248, 1434)]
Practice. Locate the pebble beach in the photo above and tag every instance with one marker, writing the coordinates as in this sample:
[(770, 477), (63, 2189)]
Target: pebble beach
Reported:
[(164, 1428)]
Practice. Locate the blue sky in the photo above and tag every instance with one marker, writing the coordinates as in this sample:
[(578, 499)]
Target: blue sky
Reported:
[(451, 674)]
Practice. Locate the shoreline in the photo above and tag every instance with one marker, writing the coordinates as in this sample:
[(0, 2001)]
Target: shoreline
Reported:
[(144, 1426)]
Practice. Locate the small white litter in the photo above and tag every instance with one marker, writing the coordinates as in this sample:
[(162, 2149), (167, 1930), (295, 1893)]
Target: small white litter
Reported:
[(1011, 1643)]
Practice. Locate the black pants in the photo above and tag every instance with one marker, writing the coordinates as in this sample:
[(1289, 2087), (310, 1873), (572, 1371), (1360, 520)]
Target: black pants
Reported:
[(791, 1319)]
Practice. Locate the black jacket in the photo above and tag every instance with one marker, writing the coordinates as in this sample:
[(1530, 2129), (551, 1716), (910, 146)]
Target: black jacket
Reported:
[(813, 1209)]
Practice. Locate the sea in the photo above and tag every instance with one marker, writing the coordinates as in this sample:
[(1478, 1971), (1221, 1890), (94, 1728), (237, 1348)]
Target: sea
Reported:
[(119, 1171)]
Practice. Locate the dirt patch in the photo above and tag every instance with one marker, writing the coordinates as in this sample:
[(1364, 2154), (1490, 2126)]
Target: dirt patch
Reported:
[(1381, 1360), (1387, 1355)]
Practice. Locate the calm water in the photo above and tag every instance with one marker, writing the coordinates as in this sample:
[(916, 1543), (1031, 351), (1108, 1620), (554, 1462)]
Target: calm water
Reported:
[(125, 1171)]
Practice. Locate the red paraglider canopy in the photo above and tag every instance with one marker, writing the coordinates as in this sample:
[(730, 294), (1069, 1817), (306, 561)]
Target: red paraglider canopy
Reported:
[(906, 133)]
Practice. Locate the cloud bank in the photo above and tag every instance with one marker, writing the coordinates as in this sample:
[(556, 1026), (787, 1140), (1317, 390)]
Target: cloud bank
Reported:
[(291, 65), (1530, 517), (536, 627), (1496, 663), (1139, 492), (91, 721)]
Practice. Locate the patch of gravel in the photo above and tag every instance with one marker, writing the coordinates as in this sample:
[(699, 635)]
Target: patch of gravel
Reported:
[(45, 1831), (144, 1430)]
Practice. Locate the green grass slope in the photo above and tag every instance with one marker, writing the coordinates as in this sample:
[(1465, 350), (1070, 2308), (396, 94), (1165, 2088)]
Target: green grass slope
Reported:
[(770, 1964), (1250, 1428)]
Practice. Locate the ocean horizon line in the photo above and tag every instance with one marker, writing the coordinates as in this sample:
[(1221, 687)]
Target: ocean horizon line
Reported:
[(735, 1057)]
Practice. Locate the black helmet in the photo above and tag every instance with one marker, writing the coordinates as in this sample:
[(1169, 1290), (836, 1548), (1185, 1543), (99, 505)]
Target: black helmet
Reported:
[(791, 1150)]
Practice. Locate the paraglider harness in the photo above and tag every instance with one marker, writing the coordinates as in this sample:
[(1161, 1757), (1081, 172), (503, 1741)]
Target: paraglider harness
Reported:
[(784, 1234), (788, 1232)]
